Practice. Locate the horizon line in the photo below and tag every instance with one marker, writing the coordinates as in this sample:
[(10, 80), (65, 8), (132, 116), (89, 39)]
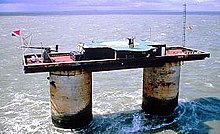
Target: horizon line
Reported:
[(106, 12)]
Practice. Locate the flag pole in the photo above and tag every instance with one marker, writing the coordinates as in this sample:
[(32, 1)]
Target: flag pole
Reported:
[(22, 39)]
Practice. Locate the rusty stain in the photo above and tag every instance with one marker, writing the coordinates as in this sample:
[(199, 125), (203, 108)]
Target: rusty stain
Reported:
[(70, 91), (162, 82)]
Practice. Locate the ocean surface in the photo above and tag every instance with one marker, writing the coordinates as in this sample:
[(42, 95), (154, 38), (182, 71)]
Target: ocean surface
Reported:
[(25, 98)]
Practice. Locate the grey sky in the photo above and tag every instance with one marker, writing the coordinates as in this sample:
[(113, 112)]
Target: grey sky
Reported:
[(70, 5)]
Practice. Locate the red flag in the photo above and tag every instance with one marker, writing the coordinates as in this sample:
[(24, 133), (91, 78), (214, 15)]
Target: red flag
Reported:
[(16, 33)]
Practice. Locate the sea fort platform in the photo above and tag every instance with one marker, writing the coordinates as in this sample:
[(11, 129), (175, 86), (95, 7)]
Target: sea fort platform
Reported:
[(70, 75)]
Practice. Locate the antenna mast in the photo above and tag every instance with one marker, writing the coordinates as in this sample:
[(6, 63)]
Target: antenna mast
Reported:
[(184, 24)]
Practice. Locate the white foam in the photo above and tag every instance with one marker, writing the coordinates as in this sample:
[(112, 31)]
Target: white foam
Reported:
[(25, 113), (187, 83), (217, 61), (139, 101), (4, 35), (136, 125), (162, 34), (183, 100), (209, 85)]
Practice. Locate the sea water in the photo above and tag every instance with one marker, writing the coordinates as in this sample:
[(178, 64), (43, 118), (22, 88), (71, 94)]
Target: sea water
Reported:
[(117, 95)]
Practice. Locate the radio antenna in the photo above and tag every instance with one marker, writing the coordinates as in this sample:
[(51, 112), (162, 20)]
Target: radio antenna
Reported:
[(184, 24)]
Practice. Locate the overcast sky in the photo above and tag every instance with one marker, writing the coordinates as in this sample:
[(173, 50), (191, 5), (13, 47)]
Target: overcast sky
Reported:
[(71, 5)]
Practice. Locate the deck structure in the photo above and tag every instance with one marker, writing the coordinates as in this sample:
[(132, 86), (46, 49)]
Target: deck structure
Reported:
[(71, 76), (63, 61)]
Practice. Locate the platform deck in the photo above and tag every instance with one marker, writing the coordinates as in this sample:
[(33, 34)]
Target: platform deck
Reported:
[(63, 62)]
